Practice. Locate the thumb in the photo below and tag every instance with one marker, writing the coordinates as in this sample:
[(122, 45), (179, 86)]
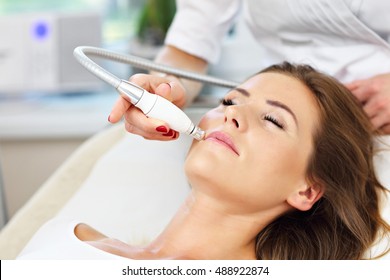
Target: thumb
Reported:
[(352, 85), (164, 90)]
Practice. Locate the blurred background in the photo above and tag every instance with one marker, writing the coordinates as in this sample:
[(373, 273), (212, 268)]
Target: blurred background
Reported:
[(49, 104)]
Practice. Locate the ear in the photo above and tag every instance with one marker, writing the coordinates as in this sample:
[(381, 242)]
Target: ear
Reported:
[(305, 197)]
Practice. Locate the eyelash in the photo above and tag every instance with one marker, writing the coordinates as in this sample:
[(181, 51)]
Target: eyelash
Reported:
[(274, 121), (229, 102)]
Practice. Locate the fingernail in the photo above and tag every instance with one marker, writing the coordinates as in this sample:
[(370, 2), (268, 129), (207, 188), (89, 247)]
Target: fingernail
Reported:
[(161, 128), (109, 118), (170, 133)]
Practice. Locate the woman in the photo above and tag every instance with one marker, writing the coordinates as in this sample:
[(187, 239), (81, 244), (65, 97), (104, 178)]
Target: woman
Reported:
[(285, 172)]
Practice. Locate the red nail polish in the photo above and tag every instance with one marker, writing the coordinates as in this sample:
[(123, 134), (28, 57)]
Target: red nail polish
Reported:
[(109, 118), (161, 128), (170, 133)]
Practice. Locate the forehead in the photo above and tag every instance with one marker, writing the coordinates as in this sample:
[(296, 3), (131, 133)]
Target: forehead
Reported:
[(286, 89), (277, 83), (280, 86)]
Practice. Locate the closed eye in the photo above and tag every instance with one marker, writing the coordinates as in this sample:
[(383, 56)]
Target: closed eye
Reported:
[(274, 121), (227, 102)]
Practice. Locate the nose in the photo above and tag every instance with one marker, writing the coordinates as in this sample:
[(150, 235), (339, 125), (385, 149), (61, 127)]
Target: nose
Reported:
[(234, 121), (235, 118)]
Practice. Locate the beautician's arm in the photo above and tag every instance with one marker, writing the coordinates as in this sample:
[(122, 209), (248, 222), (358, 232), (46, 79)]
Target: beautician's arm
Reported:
[(179, 91), (374, 94), (176, 58)]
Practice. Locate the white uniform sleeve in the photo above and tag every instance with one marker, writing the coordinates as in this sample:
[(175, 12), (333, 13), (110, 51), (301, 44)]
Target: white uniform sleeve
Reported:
[(199, 26)]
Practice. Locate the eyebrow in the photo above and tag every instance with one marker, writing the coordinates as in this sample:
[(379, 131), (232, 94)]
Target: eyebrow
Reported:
[(270, 102), (242, 91), (283, 106)]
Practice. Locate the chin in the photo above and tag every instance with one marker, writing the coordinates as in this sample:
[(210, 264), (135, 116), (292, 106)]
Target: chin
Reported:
[(201, 167)]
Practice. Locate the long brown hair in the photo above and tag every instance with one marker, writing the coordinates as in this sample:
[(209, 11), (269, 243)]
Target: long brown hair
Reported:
[(346, 221)]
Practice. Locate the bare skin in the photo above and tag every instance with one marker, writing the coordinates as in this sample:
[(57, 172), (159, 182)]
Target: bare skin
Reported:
[(374, 94)]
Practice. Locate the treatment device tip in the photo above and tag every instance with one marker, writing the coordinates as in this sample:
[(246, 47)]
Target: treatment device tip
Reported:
[(198, 134)]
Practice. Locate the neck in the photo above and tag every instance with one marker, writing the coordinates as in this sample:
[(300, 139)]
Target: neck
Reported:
[(205, 229)]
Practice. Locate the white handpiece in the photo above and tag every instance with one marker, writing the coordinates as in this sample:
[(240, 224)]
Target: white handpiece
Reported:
[(155, 106)]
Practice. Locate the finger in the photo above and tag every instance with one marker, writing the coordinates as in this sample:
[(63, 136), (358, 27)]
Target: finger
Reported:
[(148, 82), (169, 135), (362, 93), (178, 96), (385, 129), (164, 90), (172, 90), (379, 103), (379, 121), (149, 128), (118, 110), (138, 119), (371, 107), (353, 85)]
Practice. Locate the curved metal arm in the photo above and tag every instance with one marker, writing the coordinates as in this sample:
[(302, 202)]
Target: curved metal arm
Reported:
[(81, 53)]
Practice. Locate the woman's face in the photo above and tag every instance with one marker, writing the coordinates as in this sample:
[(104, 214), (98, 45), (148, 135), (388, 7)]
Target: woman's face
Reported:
[(258, 143)]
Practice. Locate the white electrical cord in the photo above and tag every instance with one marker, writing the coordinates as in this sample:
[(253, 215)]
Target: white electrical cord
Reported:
[(152, 105)]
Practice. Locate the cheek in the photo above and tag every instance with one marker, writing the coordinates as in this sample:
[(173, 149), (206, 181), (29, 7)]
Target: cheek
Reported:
[(278, 165), (211, 119)]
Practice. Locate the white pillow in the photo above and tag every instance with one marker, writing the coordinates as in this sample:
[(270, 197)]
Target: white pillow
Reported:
[(135, 188)]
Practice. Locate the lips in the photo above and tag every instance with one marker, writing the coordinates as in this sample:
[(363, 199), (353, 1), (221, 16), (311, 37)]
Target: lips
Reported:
[(223, 139)]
